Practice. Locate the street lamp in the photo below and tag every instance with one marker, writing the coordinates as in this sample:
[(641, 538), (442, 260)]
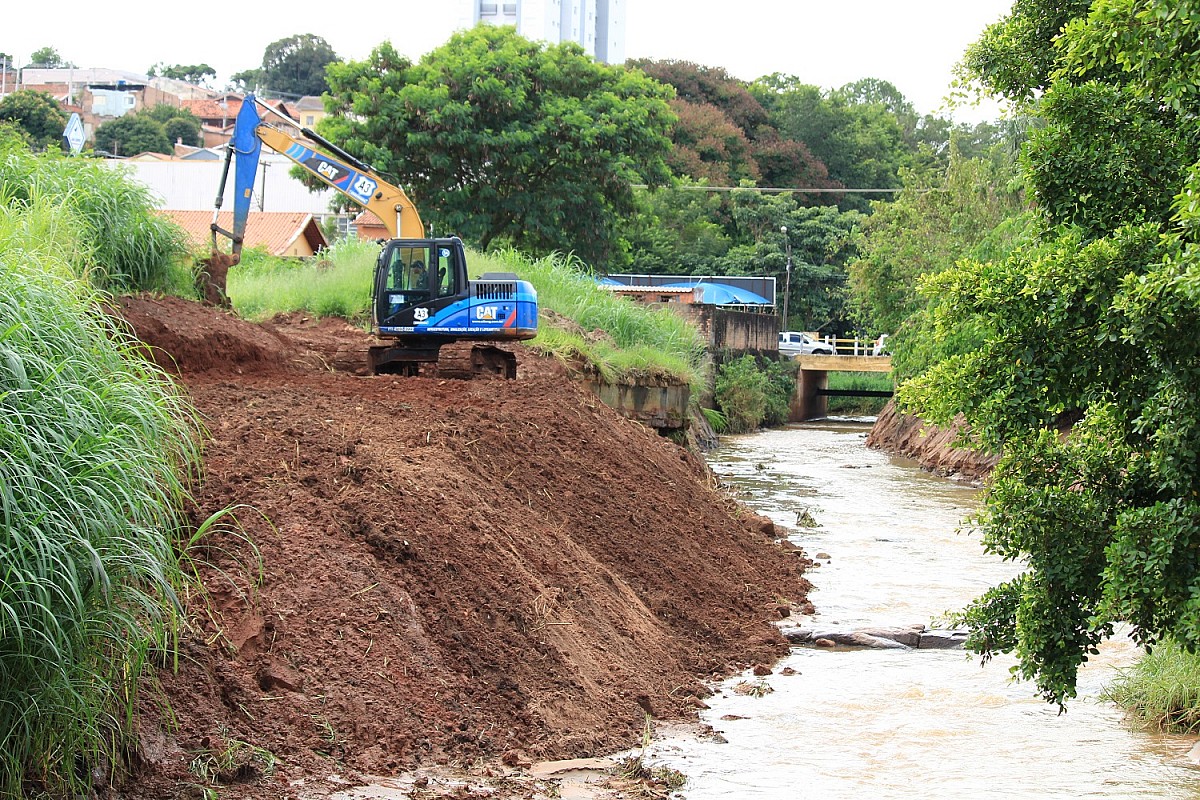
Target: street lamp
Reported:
[(787, 286)]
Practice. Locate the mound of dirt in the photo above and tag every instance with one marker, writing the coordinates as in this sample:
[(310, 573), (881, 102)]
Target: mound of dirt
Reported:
[(443, 571)]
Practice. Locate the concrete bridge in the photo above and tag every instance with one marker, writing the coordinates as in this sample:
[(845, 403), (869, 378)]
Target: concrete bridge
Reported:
[(811, 400)]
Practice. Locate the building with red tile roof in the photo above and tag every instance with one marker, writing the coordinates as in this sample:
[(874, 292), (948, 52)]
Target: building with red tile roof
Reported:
[(286, 234)]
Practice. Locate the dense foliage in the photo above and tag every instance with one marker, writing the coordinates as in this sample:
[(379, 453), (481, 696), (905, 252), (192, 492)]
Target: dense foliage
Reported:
[(680, 231), (974, 208), (150, 130), (36, 115), (96, 447), (1089, 329), (199, 74), (750, 393), (507, 141)]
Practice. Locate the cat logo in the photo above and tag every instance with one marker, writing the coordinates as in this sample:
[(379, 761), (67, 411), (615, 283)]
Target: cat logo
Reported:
[(327, 170), (487, 313), (421, 314)]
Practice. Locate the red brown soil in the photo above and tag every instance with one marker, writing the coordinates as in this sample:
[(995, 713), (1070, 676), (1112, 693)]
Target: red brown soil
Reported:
[(935, 448), (450, 570)]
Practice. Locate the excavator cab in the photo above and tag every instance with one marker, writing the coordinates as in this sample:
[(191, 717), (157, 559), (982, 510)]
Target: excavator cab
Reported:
[(417, 278)]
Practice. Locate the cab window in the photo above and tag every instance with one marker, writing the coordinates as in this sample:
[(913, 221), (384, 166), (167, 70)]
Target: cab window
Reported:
[(445, 275), (408, 270)]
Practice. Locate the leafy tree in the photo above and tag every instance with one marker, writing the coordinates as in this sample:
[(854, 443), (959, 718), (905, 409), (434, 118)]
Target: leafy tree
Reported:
[(936, 220), (675, 231), (709, 86), (708, 146), (249, 80), (38, 116), (133, 134), (199, 74), (294, 66), (1092, 328), (724, 134), (48, 58), (504, 140), (1015, 57), (179, 124)]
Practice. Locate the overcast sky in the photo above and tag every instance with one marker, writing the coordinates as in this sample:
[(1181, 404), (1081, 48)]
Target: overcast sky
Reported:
[(912, 43)]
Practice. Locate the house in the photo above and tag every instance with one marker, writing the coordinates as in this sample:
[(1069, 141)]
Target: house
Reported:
[(735, 314), (217, 115), (285, 234), (309, 110), (370, 227), (98, 95)]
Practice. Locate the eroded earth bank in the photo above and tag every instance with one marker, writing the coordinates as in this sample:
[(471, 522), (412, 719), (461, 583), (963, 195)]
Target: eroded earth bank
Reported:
[(449, 571)]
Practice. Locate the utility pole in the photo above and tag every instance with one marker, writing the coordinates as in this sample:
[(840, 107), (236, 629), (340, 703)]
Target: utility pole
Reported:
[(787, 286)]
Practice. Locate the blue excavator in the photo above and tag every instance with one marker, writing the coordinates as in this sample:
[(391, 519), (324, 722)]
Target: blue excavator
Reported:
[(423, 298)]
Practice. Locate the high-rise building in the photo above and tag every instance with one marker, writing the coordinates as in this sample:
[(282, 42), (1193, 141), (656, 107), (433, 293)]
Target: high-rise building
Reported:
[(597, 25)]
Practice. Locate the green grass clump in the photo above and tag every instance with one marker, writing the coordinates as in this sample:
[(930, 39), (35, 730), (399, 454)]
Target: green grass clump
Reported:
[(128, 247), (338, 284), (1161, 691), (750, 393), (859, 381), (96, 449)]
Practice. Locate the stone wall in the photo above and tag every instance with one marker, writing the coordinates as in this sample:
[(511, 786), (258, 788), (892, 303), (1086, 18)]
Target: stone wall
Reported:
[(737, 331)]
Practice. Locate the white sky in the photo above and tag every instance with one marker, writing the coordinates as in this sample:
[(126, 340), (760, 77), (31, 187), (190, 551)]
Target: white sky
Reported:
[(828, 43)]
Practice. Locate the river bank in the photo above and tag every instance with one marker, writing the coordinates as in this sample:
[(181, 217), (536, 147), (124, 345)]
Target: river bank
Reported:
[(933, 447), (443, 572)]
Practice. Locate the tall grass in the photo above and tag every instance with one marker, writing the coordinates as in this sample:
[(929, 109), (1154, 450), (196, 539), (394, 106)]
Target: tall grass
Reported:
[(637, 340), (751, 393), (859, 381), (336, 285), (1162, 690), (128, 246), (96, 448)]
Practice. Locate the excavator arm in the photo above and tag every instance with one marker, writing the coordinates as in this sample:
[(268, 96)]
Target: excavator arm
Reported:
[(344, 173)]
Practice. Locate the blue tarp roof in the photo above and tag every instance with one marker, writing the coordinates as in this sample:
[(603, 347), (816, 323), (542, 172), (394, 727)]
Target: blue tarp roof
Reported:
[(722, 294)]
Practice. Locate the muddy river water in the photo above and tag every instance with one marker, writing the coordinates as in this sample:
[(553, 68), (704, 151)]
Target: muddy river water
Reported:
[(901, 724)]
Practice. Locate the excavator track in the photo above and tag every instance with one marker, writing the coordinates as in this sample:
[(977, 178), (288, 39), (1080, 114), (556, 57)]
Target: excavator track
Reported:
[(465, 361), (460, 360)]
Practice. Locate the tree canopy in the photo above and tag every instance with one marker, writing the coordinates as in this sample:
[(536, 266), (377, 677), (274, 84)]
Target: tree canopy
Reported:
[(36, 115), (48, 58), (504, 140), (133, 134), (150, 130), (1091, 330), (293, 67), (724, 135), (198, 74)]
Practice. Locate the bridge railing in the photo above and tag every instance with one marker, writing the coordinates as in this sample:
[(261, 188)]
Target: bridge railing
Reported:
[(859, 346)]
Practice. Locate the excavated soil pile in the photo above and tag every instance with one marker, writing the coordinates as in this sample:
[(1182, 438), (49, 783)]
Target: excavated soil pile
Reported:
[(450, 570)]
